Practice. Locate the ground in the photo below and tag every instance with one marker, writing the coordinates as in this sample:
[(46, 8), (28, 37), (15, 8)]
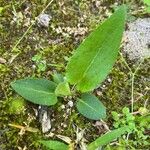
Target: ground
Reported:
[(45, 50)]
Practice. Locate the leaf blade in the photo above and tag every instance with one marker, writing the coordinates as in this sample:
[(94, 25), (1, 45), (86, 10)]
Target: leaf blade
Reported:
[(63, 89), (38, 91), (147, 2), (107, 138), (58, 78), (54, 145), (92, 61), (90, 107)]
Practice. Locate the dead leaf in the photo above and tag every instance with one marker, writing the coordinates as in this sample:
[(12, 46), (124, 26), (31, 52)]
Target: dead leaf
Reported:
[(22, 128)]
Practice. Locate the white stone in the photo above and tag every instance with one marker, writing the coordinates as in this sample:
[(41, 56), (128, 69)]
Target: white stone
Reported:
[(62, 106), (70, 103), (137, 39), (43, 20)]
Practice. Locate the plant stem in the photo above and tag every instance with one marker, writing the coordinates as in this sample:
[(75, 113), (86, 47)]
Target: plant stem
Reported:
[(18, 42), (132, 85), (125, 62), (132, 93)]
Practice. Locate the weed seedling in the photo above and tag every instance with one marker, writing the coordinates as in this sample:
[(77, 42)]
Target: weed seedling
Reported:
[(86, 69)]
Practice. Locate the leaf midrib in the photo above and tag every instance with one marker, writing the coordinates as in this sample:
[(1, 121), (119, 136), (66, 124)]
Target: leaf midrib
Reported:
[(84, 74), (44, 92), (89, 106)]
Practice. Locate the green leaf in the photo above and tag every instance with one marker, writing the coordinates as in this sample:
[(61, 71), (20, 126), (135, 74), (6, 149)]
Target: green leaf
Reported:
[(147, 2), (95, 57), (126, 110), (38, 91), (63, 89), (147, 9), (57, 78), (54, 145), (115, 115), (107, 138), (90, 107)]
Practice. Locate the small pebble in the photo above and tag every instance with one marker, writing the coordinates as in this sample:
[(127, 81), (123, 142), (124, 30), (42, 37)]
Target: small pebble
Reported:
[(43, 20), (70, 104), (68, 111), (50, 134), (33, 66), (104, 86), (63, 125), (109, 80), (2, 61), (64, 115), (97, 3), (99, 93), (62, 106)]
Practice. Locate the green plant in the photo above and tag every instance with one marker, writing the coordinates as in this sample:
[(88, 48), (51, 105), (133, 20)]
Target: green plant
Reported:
[(87, 68), (16, 106), (107, 138), (138, 123), (98, 143), (126, 119), (147, 5), (41, 64), (56, 145)]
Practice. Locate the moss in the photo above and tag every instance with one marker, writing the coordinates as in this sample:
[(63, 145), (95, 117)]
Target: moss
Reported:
[(16, 106), (4, 69), (55, 49)]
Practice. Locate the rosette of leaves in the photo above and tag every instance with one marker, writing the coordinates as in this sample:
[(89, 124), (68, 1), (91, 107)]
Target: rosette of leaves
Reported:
[(87, 68)]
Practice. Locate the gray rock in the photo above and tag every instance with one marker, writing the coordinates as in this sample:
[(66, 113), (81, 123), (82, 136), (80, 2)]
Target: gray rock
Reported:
[(137, 39), (43, 20), (44, 118)]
